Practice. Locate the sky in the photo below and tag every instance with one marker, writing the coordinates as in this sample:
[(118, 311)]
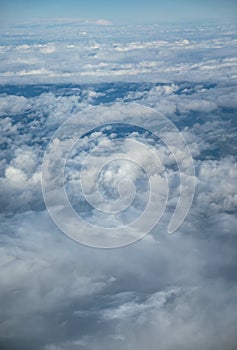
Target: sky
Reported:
[(119, 11)]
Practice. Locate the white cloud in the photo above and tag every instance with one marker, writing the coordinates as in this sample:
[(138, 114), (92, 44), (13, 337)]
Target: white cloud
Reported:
[(11, 104), (48, 48), (103, 22)]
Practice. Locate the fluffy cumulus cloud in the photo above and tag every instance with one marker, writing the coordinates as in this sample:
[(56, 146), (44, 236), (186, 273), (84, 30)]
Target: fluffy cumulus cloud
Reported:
[(165, 291)]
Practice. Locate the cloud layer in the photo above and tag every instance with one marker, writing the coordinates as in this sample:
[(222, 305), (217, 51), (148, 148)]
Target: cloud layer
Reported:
[(165, 291), (97, 53)]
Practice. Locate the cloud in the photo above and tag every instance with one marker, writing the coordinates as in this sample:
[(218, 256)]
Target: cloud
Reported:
[(103, 22), (171, 291), (152, 55)]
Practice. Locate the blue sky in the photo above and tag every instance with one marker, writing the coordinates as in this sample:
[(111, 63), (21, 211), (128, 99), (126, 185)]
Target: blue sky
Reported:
[(131, 11)]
